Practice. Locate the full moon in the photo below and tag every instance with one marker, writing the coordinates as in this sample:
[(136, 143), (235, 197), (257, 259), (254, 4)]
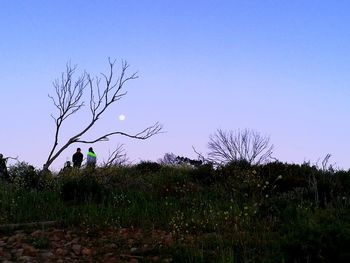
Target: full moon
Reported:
[(121, 117)]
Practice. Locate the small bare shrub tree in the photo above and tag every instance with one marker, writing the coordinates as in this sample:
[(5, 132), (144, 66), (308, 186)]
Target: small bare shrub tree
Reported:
[(103, 92), (117, 158), (169, 159), (248, 145)]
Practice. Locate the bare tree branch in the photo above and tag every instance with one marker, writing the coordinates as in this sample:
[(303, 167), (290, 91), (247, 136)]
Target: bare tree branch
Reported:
[(69, 100), (143, 135), (200, 156), (117, 157), (12, 158)]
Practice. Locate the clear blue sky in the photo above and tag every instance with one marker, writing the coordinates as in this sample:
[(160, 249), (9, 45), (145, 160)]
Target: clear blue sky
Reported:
[(280, 67)]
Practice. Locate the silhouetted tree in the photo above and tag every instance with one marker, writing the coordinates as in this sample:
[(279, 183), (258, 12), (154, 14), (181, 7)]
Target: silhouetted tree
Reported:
[(69, 100), (168, 159), (248, 145)]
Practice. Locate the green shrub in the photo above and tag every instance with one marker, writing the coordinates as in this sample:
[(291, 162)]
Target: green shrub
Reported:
[(82, 189), (148, 167), (322, 236), (204, 174), (24, 175)]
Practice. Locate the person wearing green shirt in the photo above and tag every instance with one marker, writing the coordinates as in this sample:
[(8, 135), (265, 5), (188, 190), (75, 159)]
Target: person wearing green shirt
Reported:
[(91, 158)]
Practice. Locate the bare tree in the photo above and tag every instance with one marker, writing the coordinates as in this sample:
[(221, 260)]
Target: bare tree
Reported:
[(326, 166), (248, 145), (169, 159), (117, 157), (103, 92)]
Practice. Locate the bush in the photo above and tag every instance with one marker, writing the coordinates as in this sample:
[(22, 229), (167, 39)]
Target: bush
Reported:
[(317, 237), (25, 175), (204, 174), (148, 167), (77, 190)]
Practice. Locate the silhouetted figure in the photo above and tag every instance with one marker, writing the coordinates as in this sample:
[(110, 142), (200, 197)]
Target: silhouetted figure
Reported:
[(77, 158), (91, 158), (67, 167), (3, 169)]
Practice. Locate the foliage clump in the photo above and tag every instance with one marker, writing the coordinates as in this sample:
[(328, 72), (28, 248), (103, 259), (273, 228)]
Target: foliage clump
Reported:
[(148, 167), (24, 175), (81, 189)]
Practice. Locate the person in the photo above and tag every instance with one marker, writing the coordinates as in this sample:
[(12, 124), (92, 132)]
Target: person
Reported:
[(66, 168), (91, 158), (77, 158), (3, 169)]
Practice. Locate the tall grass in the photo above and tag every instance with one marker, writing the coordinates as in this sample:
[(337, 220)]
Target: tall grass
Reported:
[(263, 213)]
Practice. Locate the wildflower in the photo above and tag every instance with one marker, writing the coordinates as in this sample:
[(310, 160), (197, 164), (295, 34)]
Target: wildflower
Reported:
[(267, 183), (279, 177), (266, 196), (253, 172)]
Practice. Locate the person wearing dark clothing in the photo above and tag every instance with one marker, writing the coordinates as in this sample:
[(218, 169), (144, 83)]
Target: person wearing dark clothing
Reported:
[(3, 169), (77, 158), (91, 158)]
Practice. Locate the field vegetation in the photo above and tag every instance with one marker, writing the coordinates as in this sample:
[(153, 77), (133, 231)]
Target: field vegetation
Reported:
[(239, 212)]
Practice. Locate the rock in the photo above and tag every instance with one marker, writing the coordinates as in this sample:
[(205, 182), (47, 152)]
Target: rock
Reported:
[(74, 241), (25, 258), (108, 255), (57, 235), (68, 235), (19, 236), (111, 246), (59, 251), (2, 254), (155, 258), (29, 250), (19, 252), (135, 250), (86, 251), (76, 248), (11, 239), (37, 233), (47, 254)]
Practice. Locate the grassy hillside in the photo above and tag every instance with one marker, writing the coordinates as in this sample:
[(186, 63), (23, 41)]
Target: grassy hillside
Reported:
[(238, 213)]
